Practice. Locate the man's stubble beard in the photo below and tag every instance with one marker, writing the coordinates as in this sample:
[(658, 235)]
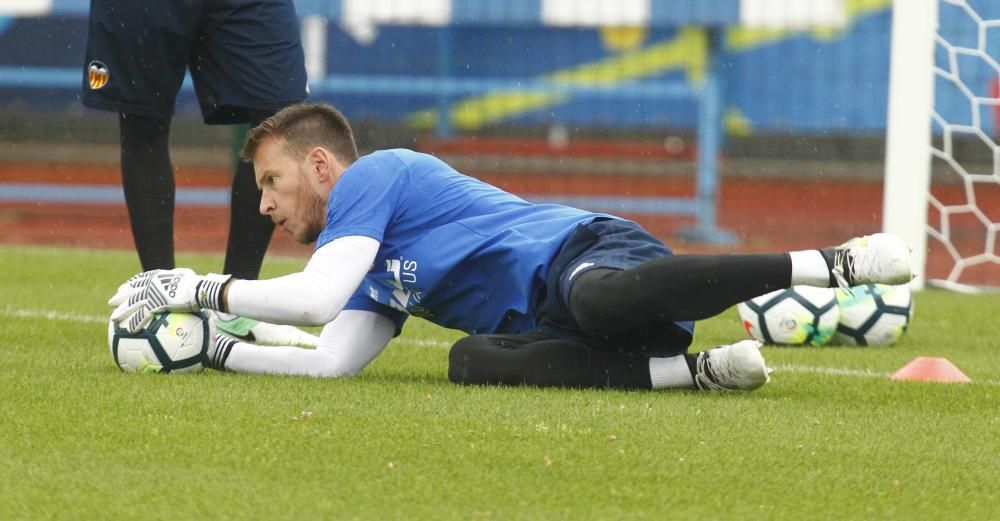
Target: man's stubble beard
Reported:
[(315, 212)]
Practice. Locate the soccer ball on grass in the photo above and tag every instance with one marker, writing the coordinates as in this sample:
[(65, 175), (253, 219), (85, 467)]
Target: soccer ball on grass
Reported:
[(873, 314), (800, 315), (171, 343)]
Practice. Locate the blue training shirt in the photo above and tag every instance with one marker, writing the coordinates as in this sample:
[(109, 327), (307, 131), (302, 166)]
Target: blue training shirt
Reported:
[(454, 250)]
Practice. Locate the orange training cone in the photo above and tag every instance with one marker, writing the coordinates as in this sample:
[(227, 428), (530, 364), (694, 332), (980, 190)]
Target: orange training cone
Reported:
[(931, 369)]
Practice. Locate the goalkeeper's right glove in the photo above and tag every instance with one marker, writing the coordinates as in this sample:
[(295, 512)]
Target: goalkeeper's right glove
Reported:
[(151, 292)]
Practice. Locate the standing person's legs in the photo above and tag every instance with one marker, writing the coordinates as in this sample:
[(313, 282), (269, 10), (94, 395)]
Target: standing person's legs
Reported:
[(148, 184), (247, 65), (249, 231), (135, 61)]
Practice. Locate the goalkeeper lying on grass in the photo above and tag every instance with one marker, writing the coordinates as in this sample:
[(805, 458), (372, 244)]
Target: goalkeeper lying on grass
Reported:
[(550, 295)]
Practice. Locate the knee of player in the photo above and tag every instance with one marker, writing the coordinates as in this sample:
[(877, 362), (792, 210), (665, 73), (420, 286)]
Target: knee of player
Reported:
[(592, 301), (464, 360), (590, 311)]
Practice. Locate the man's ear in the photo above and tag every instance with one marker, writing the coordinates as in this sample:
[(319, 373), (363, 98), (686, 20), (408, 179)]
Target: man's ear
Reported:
[(320, 163)]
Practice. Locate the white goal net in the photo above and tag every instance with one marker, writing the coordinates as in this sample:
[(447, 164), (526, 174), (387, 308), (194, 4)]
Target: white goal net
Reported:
[(942, 189)]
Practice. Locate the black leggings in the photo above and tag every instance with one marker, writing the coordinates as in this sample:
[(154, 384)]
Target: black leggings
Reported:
[(249, 231), (672, 288), (148, 183), (536, 359), (624, 316)]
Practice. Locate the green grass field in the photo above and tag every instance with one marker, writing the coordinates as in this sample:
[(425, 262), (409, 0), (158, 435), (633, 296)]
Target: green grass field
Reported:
[(831, 437)]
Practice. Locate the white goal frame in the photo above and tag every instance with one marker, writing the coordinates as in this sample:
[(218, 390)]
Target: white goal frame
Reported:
[(908, 126), (909, 147)]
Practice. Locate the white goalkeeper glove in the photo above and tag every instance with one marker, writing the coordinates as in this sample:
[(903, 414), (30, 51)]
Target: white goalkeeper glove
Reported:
[(151, 292)]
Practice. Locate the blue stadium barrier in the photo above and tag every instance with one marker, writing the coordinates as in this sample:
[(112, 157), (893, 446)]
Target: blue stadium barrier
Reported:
[(708, 96)]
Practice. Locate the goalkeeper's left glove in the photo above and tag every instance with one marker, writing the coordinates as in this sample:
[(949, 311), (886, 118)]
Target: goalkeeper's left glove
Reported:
[(151, 292)]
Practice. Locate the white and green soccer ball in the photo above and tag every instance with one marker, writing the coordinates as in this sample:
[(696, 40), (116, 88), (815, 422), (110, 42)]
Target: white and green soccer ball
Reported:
[(873, 314), (797, 316), (171, 343)]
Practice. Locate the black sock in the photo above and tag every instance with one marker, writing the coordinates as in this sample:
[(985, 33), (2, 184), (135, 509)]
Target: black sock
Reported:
[(673, 288), (692, 362), (830, 255), (249, 231), (148, 184)]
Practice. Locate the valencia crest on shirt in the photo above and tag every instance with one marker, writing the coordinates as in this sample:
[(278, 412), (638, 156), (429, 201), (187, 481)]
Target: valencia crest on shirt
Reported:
[(97, 74)]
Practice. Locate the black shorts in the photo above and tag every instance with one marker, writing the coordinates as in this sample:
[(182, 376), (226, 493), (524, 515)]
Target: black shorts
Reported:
[(243, 55), (612, 244)]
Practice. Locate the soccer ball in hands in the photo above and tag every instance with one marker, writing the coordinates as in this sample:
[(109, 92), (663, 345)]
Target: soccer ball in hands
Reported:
[(873, 314), (800, 315), (171, 343)]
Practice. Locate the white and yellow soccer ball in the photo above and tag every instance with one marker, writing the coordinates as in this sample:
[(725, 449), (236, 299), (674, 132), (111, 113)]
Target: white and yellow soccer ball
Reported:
[(873, 314), (171, 343), (800, 315)]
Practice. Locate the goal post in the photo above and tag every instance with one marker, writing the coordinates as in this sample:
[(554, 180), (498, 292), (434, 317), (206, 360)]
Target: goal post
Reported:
[(908, 128), (942, 177)]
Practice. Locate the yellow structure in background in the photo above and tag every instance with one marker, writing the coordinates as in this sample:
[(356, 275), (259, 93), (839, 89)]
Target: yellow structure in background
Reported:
[(623, 38), (685, 53), (633, 61)]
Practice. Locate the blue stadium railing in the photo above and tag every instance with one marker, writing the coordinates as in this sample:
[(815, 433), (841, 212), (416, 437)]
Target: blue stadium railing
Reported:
[(712, 14)]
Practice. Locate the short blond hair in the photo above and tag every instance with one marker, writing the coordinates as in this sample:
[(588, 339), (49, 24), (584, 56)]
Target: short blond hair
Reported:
[(303, 127)]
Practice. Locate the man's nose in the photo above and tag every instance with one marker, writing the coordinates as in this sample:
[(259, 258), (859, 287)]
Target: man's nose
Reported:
[(266, 205)]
